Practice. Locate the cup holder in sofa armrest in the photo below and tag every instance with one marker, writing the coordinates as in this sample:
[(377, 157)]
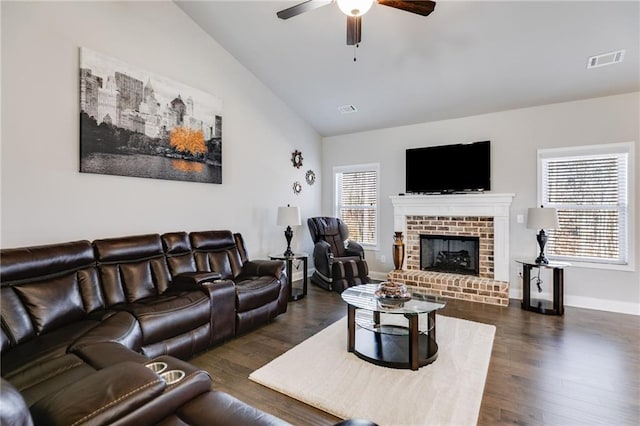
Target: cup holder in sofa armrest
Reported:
[(157, 367), (172, 377)]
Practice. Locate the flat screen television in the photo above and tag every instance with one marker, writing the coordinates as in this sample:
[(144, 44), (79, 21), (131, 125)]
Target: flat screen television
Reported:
[(449, 168)]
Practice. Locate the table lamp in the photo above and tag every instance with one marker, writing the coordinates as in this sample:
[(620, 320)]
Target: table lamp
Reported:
[(288, 216), (542, 218)]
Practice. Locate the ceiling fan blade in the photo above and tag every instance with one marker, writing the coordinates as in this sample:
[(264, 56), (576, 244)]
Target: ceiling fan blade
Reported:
[(354, 30), (420, 7), (302, 8)]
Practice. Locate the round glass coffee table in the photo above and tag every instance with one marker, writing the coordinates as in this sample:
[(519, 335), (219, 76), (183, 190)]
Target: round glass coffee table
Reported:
[(390, 333)]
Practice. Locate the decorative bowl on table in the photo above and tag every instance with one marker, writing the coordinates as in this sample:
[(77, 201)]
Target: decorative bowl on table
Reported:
[(392, 294)]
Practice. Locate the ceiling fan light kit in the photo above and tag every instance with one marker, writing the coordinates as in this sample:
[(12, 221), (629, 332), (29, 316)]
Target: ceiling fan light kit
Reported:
[(354, 9)]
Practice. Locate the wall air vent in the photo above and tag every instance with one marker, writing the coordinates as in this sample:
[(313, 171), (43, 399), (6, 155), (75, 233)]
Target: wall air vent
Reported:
[(347, 109), (605, 59)]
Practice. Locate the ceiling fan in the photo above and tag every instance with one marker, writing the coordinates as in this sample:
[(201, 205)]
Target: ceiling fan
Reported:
[(354, 9)]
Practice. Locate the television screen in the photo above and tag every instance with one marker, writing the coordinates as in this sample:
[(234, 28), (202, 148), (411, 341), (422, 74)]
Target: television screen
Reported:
[(449, 168)]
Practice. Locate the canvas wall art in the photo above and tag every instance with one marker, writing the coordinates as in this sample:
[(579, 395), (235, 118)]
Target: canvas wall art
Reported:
[(136, 123)]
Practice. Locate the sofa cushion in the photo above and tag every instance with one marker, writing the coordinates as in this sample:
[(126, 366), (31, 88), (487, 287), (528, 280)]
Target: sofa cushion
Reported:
[(16, 322), (22, 264), (132, 268), (49, 345), (119, 327), (170, 314), (177, 249), (53, 303), (37, 372), (46, 287), (216, 251), (138, 281)]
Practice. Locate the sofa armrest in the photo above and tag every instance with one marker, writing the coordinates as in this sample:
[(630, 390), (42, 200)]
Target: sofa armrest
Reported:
[(222, 294), (100, 398), (256, 268), (192, 280), (13, 409), (222, 301)]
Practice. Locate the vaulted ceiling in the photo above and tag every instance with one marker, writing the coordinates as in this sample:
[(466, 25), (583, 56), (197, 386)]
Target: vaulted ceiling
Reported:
[(466, 58)]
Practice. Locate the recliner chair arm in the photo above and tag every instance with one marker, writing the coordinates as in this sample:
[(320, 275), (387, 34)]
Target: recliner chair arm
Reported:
[(322, 250), (354, 248)]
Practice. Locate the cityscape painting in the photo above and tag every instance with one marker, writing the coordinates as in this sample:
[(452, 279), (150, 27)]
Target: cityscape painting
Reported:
[(135, 123)]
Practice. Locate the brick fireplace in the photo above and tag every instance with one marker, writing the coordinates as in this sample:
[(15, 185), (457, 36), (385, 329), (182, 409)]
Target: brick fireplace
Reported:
[(481, 217)]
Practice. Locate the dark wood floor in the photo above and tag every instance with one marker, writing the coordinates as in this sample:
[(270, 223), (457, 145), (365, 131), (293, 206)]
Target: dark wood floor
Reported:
[(581, 368)]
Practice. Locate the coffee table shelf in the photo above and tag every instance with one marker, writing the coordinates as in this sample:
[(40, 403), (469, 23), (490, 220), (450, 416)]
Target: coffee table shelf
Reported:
[(392, 350)]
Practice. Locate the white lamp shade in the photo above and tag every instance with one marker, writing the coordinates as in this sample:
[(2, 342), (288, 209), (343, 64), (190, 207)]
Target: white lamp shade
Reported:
[(542, 218), (289, 216)]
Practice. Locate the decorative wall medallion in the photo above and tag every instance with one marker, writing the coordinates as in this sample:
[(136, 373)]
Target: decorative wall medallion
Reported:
[(297, 187), (296, 159), (310, 177)]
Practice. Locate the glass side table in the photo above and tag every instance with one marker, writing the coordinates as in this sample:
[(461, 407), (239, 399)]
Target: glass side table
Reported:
[(294, 293)]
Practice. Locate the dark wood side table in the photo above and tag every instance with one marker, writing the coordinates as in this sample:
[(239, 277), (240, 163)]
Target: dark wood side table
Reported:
[(549, 307), (294, 293)]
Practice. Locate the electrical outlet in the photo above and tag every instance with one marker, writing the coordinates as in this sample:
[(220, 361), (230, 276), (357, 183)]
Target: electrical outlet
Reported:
[(383, 258)]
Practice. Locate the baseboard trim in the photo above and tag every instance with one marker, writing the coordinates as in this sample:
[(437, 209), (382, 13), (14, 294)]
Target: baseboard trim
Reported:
[(602, 304)]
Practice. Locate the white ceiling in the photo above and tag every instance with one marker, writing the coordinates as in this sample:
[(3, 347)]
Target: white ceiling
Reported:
[(466, 58)]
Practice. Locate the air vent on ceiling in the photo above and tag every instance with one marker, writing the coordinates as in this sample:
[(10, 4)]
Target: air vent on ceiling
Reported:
[(347, 109), (606, 59)]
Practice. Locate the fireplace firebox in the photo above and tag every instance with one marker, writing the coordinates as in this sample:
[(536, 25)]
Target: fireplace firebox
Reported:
[(450, 253)]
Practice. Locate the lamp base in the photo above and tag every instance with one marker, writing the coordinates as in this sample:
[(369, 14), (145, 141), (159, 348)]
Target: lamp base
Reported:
[(542, 241), (288, 234)]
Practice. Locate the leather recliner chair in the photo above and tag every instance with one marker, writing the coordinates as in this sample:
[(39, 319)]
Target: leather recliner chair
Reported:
[(339, 262)]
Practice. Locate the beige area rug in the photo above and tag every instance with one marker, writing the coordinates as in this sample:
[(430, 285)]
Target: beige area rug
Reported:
[(320, 372)]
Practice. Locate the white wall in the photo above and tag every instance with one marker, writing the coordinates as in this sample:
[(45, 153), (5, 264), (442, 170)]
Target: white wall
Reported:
[(515, 137), (44, 197)]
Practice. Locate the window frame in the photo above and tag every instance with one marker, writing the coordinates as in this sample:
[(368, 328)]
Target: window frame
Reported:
[(628, 242), (368, 167)]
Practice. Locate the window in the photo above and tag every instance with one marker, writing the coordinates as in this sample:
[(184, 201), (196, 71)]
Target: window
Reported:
[(356, 201), (590, 188)]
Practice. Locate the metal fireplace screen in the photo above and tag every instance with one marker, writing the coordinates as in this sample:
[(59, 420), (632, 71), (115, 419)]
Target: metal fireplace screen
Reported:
[(450, 253)]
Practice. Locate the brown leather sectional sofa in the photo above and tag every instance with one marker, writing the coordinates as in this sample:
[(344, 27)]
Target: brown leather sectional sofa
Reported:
[(81, 322)]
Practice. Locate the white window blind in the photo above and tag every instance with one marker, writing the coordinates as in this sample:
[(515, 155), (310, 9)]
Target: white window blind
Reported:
[(591, 195), (356, 202)]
